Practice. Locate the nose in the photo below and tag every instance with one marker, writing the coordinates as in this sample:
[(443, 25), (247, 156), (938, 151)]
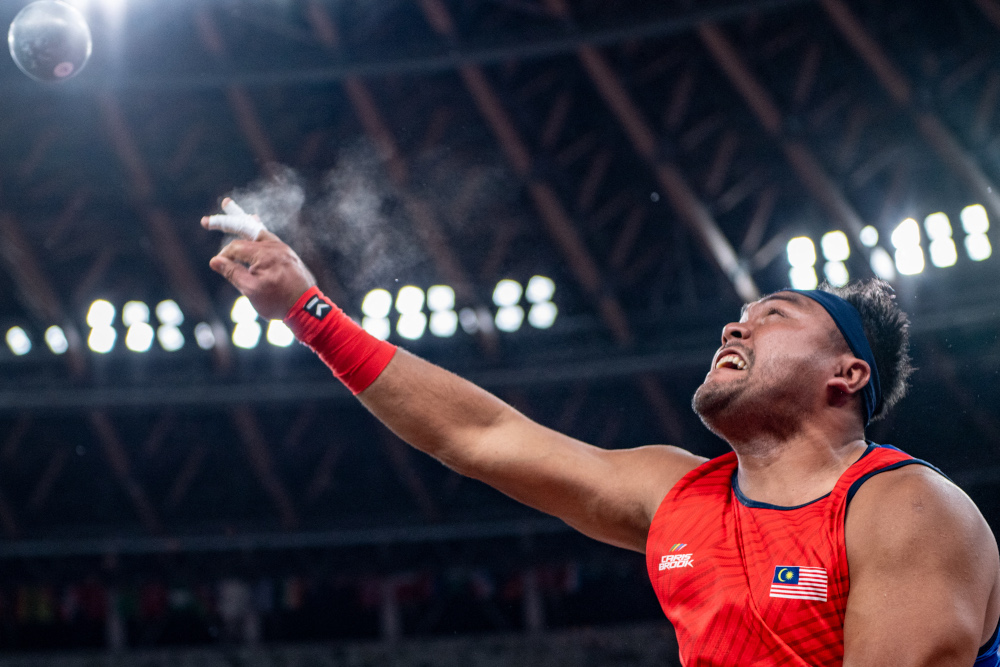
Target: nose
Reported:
[(735, 330)]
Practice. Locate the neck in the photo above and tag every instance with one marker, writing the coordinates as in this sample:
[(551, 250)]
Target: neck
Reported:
[(797, 469)]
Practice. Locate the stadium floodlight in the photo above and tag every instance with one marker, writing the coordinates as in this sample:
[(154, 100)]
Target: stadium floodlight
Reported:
[(910, 260), (444, 323), (55, 338), (101, 314), (543, 315), (246, 335), (836, 273), (882, 264), (469, 320), (540, 289), (139, 337), (18, 341), (410, 300), (102, 339), (510, 318), (944, 253), (169, 313), (279, 335), (801, 252), (906, 235), (135, 312), (204, 336), (244, 313), (412, 325), (869, 237), (379, 327), (377, 304), (978, 246), (975, 219), (937, 226), (170, 337), (440, 298), (836, 247), (803, 277), (507, 293)]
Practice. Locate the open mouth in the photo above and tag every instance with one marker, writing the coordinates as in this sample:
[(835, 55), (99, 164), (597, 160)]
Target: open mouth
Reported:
[(732, 361)]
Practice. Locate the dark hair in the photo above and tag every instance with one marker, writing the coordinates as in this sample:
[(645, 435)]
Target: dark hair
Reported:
[(888, 331)]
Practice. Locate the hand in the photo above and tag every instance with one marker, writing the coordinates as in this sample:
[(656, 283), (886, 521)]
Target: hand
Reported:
[(266, 270)]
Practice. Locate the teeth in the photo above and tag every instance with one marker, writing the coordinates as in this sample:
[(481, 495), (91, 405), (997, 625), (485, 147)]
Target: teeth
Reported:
[(731, 360)]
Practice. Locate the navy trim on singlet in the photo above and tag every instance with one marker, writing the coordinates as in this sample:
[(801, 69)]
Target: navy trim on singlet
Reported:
[(991, 649), (753, 504), (892, 466)]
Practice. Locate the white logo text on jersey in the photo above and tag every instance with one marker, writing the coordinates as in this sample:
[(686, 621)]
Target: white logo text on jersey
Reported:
[(674, 561)]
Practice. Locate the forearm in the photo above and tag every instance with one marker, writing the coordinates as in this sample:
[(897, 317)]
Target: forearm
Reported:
[(438, 412)]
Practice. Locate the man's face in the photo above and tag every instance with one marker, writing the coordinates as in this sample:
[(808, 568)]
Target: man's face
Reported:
[(771, 369)]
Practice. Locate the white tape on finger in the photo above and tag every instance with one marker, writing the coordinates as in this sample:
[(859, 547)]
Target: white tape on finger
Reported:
[(245, 226), (232, 208)]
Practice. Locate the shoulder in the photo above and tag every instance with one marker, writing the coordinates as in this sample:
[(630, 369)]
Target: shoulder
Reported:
[(915, 512), (657, 468)]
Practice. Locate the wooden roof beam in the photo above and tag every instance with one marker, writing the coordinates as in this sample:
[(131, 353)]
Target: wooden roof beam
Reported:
[(117, 457), (936, 134), (262, 464)]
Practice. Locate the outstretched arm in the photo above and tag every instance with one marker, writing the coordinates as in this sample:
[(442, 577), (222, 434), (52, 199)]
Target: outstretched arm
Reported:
[(610, 495)]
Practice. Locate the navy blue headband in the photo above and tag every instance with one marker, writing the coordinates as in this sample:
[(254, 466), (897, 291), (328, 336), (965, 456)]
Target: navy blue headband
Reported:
[(848, 320)]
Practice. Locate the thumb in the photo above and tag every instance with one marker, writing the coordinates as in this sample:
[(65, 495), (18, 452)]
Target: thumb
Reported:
[(236, 273)]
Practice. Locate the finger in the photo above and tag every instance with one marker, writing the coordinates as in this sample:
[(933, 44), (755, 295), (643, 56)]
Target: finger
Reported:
[(242, 252), (245, 226), (267, 235), (231, 207), (236, 273)]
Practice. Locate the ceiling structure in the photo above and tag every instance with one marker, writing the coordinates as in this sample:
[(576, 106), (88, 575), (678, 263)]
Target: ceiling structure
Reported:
[(653, 160)]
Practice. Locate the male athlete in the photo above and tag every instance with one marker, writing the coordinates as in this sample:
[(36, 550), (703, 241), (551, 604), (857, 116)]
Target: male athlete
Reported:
[(805, 545)]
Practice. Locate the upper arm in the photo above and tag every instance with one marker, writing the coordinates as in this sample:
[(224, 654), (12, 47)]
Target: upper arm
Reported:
[(923, 564), (610, 495)]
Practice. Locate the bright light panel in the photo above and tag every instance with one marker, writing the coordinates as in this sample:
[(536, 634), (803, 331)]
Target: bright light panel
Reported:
[(540, 289), (869, 237), (836, 273), (907, 235), (469, 320), (944, 253), (204, 336), (246, 335), (802, 253), (410, 300), (510, 318), (279, 335), (169, 313), (444, 323), (978, 246), (55, 338), (102, 339), (378, 327), (836, 247), (18, 341), (543, 315), (101, 314), (139, 337), (244, 313), (975, 220), (135, 312), (507, 293), (938, 226), (377, 304), (882, 264), (412, 325), (170, 337), (803, 277), (440, 298), (910, 260)]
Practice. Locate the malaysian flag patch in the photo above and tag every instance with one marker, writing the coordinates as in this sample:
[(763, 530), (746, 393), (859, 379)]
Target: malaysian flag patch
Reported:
[(799, 583)]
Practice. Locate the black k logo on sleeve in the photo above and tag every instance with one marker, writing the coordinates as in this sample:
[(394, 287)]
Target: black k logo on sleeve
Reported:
[(318, 308)]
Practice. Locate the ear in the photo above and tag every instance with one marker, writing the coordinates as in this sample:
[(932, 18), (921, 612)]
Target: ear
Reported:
[(852, 376)]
